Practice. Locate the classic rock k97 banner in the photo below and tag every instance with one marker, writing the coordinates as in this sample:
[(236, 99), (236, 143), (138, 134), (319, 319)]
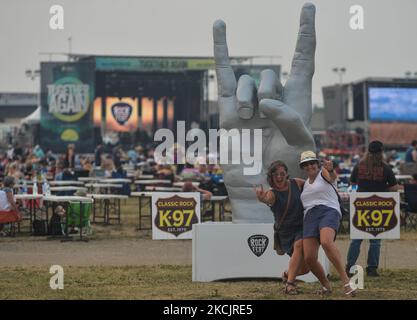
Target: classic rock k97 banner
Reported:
[(173, 214), (375, 215)]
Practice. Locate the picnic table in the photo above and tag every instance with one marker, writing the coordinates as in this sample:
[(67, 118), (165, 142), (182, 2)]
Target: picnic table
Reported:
[(399, 177), (153, 182), (68, 188), (142, 184), (29, 206), (403, 178), (66, 183), (89, 179), (140, 196), (103, 186), (146, 177), (181, 184), (220, 200), (67, 200), (115, 180), (111, 205), (163, 189)]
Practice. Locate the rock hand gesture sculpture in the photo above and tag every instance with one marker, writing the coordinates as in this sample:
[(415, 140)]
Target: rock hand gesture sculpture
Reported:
[(283, 114)]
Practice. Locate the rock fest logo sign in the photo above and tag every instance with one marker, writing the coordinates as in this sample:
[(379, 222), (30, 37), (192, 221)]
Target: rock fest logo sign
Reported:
[(258, 244), (175, 215), (121, 112), (374, 216)]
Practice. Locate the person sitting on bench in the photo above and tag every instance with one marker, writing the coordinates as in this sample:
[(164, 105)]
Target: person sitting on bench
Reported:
[(9, 212)]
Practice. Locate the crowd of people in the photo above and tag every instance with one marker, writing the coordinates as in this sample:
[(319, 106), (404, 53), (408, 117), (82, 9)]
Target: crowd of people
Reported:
[(27, 162), (19, 164), (32, 162)]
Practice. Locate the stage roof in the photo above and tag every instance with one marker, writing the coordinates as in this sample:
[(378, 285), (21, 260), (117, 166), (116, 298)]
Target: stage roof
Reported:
[(159, 63)]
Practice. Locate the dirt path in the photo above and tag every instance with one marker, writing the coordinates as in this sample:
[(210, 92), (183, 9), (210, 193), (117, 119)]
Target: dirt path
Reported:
[(394, 254), (100, 252)]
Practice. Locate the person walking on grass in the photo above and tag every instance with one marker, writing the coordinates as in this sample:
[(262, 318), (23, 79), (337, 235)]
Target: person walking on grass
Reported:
[(322, 215), (285, 203)]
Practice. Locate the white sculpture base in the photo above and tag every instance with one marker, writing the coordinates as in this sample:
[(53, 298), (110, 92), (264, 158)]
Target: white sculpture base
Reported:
[(221, 251)]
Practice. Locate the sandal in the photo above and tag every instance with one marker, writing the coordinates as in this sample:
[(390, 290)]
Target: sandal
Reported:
[(351, 292), (323, 291), (290, 288), (284, 277)]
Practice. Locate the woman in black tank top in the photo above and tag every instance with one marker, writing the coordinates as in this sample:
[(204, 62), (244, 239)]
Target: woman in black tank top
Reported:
[(288, 226)]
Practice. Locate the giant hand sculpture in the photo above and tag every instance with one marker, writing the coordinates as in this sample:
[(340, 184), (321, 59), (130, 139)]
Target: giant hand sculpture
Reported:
[(283, 113)]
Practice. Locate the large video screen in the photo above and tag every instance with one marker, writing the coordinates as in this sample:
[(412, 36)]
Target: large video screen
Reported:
[(393, 104)]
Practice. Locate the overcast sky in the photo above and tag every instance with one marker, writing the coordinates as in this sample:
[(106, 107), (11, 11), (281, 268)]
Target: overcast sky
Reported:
[(386, 47)]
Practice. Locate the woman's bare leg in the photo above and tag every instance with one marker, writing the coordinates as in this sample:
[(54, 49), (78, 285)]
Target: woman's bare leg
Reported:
[(295, 261), (303, 268), (311, 250), (332, 252)]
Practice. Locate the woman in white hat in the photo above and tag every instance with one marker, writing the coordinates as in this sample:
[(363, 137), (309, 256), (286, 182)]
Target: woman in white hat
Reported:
[(322, 216)]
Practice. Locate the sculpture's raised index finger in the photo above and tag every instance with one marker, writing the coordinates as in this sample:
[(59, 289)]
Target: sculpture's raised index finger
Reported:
[(225, 75), (303, 61)]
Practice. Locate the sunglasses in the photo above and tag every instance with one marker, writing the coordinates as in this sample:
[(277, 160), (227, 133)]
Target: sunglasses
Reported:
[(280, 174), (308, 163)]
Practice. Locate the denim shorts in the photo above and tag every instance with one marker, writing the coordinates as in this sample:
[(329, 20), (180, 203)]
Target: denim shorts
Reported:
[(320, 217)]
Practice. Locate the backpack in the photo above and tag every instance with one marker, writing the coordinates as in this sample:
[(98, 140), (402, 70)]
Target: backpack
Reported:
[(40, 228), (55, 226)]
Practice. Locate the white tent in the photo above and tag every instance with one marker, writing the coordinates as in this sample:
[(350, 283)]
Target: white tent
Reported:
[(33, 118)]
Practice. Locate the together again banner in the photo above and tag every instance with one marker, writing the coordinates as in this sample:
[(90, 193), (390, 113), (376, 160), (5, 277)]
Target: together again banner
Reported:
[(67, 92), (173, 214), (374, 215)]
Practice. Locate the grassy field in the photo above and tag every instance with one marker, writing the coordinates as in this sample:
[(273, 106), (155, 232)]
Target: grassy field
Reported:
[(174, 282)]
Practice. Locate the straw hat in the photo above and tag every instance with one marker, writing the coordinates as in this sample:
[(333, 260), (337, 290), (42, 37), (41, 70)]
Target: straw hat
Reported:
[(307, 156)]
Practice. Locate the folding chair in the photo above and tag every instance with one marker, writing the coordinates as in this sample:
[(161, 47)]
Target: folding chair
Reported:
[(10, 217), (410, 195)]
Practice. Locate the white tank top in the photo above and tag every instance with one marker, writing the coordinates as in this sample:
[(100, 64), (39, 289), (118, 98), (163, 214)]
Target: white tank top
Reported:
[(320, 192)]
